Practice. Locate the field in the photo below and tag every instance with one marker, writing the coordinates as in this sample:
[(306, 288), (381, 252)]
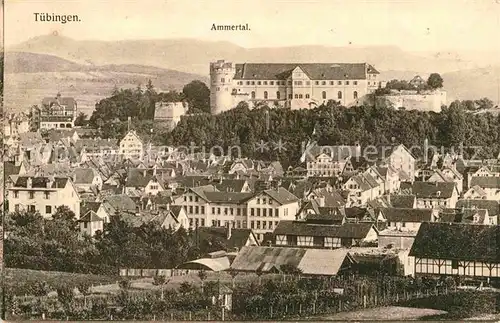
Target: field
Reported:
[(16, 279), (383, 313)]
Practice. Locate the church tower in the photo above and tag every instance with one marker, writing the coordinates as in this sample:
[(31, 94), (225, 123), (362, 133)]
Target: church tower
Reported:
[(221, 86)]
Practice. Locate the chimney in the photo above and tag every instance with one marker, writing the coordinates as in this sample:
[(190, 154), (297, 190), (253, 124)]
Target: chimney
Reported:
[(321, 201), (229, 227), (29, 182), (49, 182), (144, 172)]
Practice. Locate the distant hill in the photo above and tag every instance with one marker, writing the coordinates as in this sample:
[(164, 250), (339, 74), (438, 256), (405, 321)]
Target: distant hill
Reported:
[(193, 56), (473, 84)]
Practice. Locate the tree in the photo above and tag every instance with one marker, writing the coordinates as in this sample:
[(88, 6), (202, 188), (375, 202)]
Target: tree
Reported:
[(484, 104), (65, 297), (435, 81), (124, 284), (85, 289), (198, 95), (80, 119)]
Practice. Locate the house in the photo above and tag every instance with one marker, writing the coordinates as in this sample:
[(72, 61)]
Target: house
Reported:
[(492, 206), (469, 215), (417, 81), (396, 156), (470, 251), (132, 146), (85, 178), (362, 188), (103, 210), (475, 193), (391, 238), (55, 112), (326, 197), (43, 195), (447, 175), (434, 195), (328, 161), (229, 237), (403, 219), (489, 184), (311, 262), (402, 201), (90, 223), (174, 218), (314, 234), (387, 177)]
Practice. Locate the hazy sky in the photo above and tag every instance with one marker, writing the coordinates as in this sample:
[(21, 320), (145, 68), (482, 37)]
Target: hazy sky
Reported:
[(419, 25)]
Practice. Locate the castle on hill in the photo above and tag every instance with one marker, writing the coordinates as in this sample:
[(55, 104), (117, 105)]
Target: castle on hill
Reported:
[(292, 85)]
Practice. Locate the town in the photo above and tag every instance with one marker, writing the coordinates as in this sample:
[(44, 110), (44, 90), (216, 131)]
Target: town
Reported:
[(311, 189)]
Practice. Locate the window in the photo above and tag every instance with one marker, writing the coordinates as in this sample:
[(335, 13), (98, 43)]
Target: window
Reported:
[(202, 210), (278, 95), (265, 82), (252, 225), (355, 94), (346, 82), (48, 209), (307, 96), (222, 80), (31, 208), (202, 222), (454, 264), (264, 212), (258, 212), (276, 212), (323, 95), (85, 225), (253, 82), (238, 211), (225, 211), (253, 94), (289, 82), (190, 209), (258, 224), (252, 211), (196, 209), (32, 195), (258, 83), (323, 83), (339, 95), (265, 94), (196, 199), (340, 82), (16, 194), (190, 199), (271, 83), (218, 89), (300, 96), (213, 210), (331, 82), (290, 96), (316, 82), (296, 96), (46, 195), (355, 82), (248, 82), (218, 210)]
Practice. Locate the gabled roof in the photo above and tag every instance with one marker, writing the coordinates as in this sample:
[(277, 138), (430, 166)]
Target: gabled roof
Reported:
[(238, 238), (91, 216), (84, 175), (30, 138), (69, 102), (492, 182), (326, 215), (478, 190), (227, 197), (332, 198), (10, 168), (463, 215), (281, 195), (201, 190), (315, 71), (492, 206), (402, 201), (302, 228), (433, 190), (231, 185), (407, 215), (89, 206), (457, 242), (40, 182), (121, 202)]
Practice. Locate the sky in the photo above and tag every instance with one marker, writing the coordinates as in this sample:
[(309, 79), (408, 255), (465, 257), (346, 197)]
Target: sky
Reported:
[(414, 25)]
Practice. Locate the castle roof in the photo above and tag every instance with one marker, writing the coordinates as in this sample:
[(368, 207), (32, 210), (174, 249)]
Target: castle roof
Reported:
[(315, 71)]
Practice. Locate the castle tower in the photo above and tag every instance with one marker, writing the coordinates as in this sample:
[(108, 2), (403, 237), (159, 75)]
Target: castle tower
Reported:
[(221, 81)]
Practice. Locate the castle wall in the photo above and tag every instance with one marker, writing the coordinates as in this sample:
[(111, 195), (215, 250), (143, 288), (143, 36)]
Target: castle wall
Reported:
[(422, 102)]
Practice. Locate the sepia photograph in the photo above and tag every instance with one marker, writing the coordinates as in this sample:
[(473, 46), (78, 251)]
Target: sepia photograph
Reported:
[(250, 160)]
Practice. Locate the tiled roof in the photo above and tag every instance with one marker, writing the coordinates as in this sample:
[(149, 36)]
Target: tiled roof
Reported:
[(458, 242), (91, 216), (84, 175), (478, 190), (463, 215), (89, 206), (238, 238), (30, 138), (402, 201), (69, 102), (227, 197), (326, 215), (492, 206), (301, 228), (10, 168), (332, 198), (281, 195), (486, 182), (121, 202), (41, 182), (433, 190), (407, 215), (231, 185), (315, 71), (309, 261)]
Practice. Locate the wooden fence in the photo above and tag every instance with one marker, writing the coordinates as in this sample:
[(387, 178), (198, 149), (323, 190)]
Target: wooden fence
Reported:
[(155, 272)]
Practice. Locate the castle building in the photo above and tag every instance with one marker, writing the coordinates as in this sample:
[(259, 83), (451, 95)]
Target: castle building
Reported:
[(295, 86), (55, 112), (170, 112)]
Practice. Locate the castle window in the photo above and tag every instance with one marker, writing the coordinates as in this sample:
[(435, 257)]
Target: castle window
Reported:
[(282, 82), (258, 83), (278, 95), (339, 95), (290, 96), (317, 83), (323, 94), (323, 83), (222, 80), (253, 82), (331, 82), (218, 89), (355, 94), (248, 82), (253, 94), (340, 82), (265, 82), (296, 96), (307, 96), (355, 82), (271, 83), (300, 96), (346, 82), (265, 94)]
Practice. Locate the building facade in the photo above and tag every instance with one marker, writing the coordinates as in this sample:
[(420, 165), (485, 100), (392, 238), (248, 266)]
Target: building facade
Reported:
[(55, 113), (293, 85)]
